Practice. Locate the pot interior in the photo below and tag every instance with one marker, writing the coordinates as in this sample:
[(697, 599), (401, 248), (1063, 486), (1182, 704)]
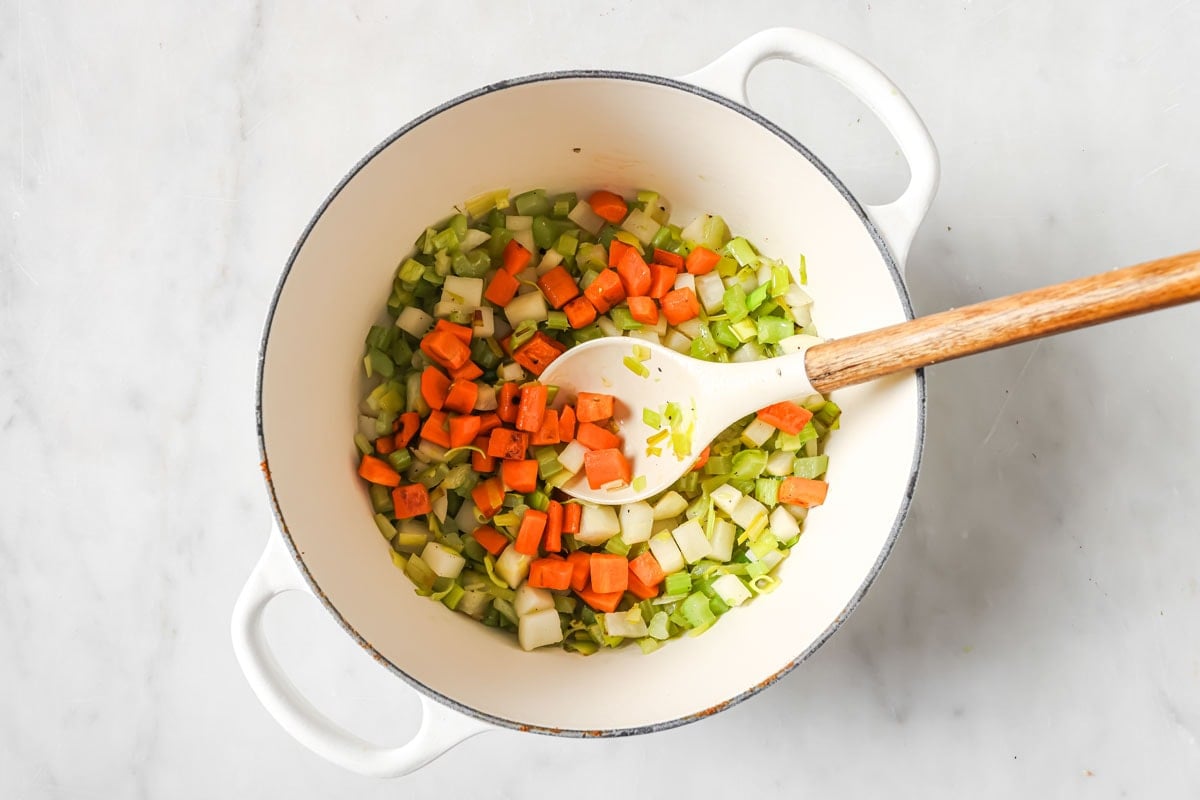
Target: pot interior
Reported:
[(578, 132)]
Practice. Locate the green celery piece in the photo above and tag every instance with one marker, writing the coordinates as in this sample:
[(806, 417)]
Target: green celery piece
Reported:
[(772, 330), (411, 271), (420, 573), (722, 332), (735, 303), (381, 498), (748, 464), (766, 491), (532, 203), (677, 583), (742, 250), (757, 297), (696, 610), (810, 466), (623, 319), (380, 363)]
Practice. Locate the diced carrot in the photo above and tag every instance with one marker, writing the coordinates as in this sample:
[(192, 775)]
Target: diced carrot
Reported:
[(610, 572), (550, 573), (461, 396), (701, 261), (532, 407), (554, 527), (502, 289), (490, 539), (507, 402), (410, 423), (593, 437), (593, 407), (662, 278), (580, 312), (643, 310), (558, 286), (507, 444), (605, 291), (640, 590), (803, 492), (463, 430), (445, 349), (461, 331), (437, 428), (616, 249), (608, 205), (536, 354), (668, 259), (701, 459), (489, 496), (548, 433), (634, 273), (481, 461), (581, 563), (600, 601), (529, 535), (516, 257), (385, 445), (572, 516), (467, 372), (376, 470), (520, 476), (566, 424), (680, 305), (489, 422), (410, 501), (605, 467), (788, 417), (647, 568), (434, 385)]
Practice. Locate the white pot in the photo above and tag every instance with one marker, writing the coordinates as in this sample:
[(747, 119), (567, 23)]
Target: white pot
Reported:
[(695, 141)]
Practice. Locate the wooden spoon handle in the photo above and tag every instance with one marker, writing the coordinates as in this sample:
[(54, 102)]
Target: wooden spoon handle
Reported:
[(1004, 321)]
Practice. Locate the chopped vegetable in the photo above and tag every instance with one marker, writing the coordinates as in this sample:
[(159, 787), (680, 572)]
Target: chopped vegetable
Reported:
[(465, 451)]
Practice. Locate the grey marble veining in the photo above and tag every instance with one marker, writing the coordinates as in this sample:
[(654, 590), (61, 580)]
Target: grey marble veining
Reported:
[(1035, 632)]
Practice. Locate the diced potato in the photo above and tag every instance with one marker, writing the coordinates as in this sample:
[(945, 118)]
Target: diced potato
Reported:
[(444, 562), (671, 504), (692, 542), (636, 521), (663, 546), (530, 599), (597, 525), (731, 590), (512, 567), (539, 629)]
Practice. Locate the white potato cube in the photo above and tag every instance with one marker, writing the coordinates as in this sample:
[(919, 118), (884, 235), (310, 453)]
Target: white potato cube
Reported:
[(723, 536), (677, 341), (710, 291), (797, 342), (539, 629), (726, 498), (671, 504), (757, 432), (693, 544), (685, 280), (512, 567), (779, 463), (526, 306), (444, 562), (467, 291), (483, 323), (663, 546), (636, 521), (747, 512), (414, 321), (572, 456), (486, 400), (783, 525), (598, 524), (625, 623), (731, 590), (530, 599)]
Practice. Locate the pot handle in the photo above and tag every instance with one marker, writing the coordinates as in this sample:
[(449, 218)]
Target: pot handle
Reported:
[(898, 220), (441, 728)]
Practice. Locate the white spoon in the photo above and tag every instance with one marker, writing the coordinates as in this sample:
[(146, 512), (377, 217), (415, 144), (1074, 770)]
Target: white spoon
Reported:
[(718, 395)]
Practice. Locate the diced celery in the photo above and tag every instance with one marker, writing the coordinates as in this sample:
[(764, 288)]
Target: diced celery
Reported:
[(810, 466)]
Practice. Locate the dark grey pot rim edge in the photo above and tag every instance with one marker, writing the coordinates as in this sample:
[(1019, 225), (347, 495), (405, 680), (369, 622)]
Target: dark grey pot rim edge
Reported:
[(901, 290)]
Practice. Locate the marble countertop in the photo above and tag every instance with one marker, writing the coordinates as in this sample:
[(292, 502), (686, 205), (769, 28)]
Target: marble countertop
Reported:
[(1035, 631)]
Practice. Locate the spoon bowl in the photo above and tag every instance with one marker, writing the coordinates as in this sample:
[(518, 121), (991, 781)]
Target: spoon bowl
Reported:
[(710, 396)]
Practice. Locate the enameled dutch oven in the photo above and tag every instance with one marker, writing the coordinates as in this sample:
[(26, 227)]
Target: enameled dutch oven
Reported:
[(694, 140)]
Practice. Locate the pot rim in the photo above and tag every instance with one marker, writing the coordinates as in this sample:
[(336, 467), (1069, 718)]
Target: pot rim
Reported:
[(619, 75)]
